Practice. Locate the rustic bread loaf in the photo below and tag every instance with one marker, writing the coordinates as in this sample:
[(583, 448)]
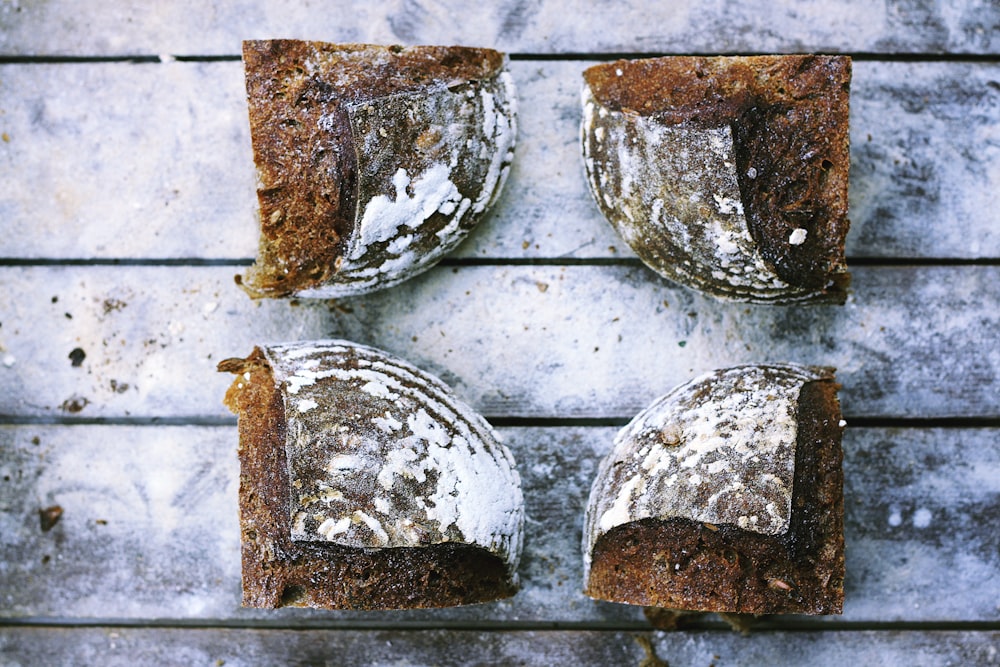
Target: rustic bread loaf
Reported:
[(725, 495), (726, 174), (372, 161), (366, 484)]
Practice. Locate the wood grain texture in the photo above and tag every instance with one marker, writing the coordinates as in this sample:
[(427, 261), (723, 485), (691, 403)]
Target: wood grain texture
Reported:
[(444, 648), (75, 185), (612, 338), (925, 179), (532, 26), (149, 528)]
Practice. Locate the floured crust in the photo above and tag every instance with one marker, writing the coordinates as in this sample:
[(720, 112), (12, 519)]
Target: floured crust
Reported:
[(725, 495), (373, 162), (366, 485), (726, 174)]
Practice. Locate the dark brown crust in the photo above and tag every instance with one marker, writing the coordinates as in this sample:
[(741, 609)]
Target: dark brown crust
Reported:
[(279, 572), (302, 144), (686, 565), (789, 117), (285, 107)]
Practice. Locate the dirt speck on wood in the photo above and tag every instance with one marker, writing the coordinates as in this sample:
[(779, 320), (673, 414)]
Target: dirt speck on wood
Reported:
[(49, 517)]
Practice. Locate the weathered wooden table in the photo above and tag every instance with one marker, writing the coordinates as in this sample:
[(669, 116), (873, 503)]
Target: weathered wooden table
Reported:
[(127, 205)]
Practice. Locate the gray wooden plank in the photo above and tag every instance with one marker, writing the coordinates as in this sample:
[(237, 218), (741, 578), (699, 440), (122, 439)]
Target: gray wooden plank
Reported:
[(148, 525), (125, 160), (918, 500), (149, 528), (532, 341), (23, 646), (170, 173), (534, 26), (925, 153)]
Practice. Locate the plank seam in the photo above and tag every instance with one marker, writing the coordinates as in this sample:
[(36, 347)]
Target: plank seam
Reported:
[(499, 421), (6, 59), (115, 261), (298, 625), (476, 261), (915, 57), (46, 420)]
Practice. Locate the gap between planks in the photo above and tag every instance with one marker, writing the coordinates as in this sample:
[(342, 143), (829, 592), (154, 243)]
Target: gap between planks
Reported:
[(476, 261), (498, 421), (861, 56), (709, 624)]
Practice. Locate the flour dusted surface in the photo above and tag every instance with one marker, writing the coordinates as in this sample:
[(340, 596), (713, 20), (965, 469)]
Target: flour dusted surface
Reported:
[(384, 455), (719, 449), (373, 162), (671, 191), (430, 163), (727, 174)]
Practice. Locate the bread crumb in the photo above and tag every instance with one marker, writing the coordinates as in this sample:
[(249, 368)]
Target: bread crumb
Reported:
[(49, 517), (798, 236), (651, 659)]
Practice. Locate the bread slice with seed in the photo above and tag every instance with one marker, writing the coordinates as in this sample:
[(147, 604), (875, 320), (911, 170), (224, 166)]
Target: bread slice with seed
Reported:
[(725, 495), (726, 174), (366, 484), (372, 161)]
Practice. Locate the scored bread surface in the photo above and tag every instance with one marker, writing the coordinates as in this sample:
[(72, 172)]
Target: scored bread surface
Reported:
[(382, 455), (726, 174), (724, 495), (370, 473), (373, 161)]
